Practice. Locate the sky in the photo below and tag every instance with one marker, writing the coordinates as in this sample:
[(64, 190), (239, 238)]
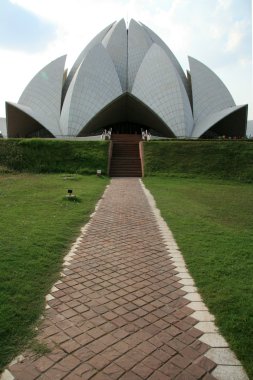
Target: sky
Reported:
[(216, 32)]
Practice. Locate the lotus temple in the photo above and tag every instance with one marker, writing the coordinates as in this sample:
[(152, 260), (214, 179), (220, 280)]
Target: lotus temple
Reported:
[(126, 80)]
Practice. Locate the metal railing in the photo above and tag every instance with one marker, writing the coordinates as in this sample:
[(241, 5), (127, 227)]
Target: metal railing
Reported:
[(145, 135), (106, 135)]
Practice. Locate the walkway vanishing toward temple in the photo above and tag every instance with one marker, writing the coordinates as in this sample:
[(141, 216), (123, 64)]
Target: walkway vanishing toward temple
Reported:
[(125, 306)]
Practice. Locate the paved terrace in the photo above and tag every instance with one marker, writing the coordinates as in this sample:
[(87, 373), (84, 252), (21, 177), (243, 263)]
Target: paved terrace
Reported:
[(126, 307)]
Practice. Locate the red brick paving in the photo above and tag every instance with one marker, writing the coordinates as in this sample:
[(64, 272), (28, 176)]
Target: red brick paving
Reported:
[(119, 311)]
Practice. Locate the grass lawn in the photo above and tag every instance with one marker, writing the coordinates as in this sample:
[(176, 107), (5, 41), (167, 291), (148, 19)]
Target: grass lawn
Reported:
[(37, 226), (212, 222)]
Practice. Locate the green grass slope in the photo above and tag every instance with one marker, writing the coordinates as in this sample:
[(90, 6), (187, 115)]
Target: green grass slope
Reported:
[(53, 156), (209, 159)]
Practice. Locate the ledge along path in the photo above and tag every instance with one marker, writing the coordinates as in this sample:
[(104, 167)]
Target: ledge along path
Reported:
[(126, 307)]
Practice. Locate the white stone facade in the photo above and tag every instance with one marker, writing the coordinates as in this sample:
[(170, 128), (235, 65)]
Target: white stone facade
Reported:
[(134, 62)]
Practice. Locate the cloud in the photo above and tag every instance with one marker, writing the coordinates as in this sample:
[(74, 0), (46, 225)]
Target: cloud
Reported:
[(245, 62), (223, 5), (235, 36), (20, 29), (216, 31)]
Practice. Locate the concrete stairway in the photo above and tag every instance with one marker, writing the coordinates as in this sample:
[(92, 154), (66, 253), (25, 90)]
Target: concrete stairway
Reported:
[(125, 161)]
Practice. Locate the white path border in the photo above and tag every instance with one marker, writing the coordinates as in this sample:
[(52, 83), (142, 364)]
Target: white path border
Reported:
[(228, 367), (72, 252), (7, 375)]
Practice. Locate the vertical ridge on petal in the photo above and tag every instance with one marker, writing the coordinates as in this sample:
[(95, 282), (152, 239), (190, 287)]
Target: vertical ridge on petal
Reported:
[(95, 84), (116, 44), (97, 39), (139, 43), (156, 39), (209, 93), (159, 86), (43, 95)]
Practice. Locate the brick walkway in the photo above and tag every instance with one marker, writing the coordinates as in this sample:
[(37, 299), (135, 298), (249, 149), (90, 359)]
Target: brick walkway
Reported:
[(119, 311)]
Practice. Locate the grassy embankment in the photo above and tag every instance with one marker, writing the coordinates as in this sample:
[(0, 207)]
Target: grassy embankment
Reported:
[(211, 218), (200, 158), (38, 225), (53, 156)]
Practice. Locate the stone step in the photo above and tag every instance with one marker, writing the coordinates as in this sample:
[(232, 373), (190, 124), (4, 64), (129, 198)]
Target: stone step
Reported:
[(126, 175), (126, 154), (125, 161), (125, 137)]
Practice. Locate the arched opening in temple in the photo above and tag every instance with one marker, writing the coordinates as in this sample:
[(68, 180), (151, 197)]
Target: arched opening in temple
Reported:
[(21, 125), (127, 115), (232, 126)]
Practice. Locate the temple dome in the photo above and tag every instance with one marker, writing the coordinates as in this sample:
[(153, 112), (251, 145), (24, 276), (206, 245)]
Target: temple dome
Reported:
[(125, 76)]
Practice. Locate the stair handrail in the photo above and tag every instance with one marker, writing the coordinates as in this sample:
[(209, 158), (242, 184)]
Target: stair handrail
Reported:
[(106, 135), (109, 157), (145, 135), (141, 153)]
